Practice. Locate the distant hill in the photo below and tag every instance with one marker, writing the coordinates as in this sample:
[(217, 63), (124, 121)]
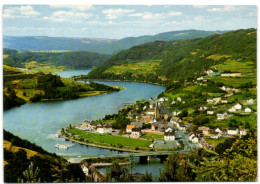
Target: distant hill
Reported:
[(76, 59), (162, 61), (104, 46)]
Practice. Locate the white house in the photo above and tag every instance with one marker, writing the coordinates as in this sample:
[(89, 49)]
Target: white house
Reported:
[(161, 99), (210, 100), (106, 129), (136, 133), (210, 111), (223, 88), (218, 131), (243, 131), (217, 100), (191, 136), (209, 71), (169, 136), (224, 100), (129, 128), (221, 115), (238, 106), (232, 131), (248, 109), (195, 140), (151, 111), (250, 101), (203, 108), (173, 102), (179, 99), (168, 130), (176, 112), (200, 78)]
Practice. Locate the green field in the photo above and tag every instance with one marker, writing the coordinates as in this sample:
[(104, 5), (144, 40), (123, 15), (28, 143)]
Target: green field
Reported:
[(215, 142), (246, 68), (135, 67), (110, 140), (152, 136)]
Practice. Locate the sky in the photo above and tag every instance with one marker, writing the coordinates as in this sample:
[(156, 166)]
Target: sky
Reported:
[(119, 21)]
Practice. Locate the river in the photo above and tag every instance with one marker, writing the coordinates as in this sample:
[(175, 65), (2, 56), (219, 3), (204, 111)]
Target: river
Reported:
[(39, 122)]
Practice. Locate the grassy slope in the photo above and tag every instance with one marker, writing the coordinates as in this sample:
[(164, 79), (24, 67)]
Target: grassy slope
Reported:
[(180, 59)]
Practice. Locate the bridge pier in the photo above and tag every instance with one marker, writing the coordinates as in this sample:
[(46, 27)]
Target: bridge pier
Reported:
[(143, 159), (162, 158)]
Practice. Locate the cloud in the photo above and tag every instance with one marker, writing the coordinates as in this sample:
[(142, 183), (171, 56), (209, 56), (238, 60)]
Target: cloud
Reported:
[(148, 15), (63, 16), (22, 11), (200, 6), (225, 8), (173, 13), (73, 7), (114, 13)]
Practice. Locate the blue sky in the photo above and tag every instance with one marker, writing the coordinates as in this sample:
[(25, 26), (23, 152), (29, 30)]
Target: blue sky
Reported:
[(115, 22)]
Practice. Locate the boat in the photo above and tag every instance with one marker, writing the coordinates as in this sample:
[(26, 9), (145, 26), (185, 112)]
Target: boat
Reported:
[(61, 146), (57, 135)]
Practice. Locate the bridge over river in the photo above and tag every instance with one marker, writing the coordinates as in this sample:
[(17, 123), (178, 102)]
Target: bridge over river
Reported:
[(78, 159)]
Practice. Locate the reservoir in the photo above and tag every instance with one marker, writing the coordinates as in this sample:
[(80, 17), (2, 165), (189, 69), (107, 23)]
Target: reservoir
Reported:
[(39, 122)]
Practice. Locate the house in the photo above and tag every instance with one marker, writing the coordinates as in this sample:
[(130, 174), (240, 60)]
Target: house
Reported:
[(161, 99), (203, 108), (214, 134), (250, 101), (137, 124), (221, 115), (209, 71), (168, 129), (151, 106), (210, 100), (183, 125), (129, 128), (223, 88), (153, 127), (200, 78), (176, 112), (145, 107), (217, 100), (175, 120), (179, 99), (248, 110), (232, 131), (169, 136), (136, 133), (151, 111), (224, 100), (243, 131), (218, 131), (205, 130), (231, 75), (173, 102), (235, 107), (191, 135), (238, 106), (195, 140), (210, 111), (104, 129)]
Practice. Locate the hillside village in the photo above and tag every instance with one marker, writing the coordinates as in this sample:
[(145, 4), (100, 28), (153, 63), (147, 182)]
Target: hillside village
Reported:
[(170, 123)]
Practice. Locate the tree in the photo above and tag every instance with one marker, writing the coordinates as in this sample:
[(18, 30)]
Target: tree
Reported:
[(147, 177), (31, 175), (119, 173), (60, 170)]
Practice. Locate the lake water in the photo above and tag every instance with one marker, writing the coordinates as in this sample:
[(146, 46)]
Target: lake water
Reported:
[(39, 122), (71, 73)]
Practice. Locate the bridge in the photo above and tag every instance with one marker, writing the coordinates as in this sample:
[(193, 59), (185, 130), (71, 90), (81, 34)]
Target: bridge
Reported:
[(142, 155)]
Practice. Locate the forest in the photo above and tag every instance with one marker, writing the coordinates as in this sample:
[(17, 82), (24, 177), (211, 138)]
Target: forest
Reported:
[(75, 59)]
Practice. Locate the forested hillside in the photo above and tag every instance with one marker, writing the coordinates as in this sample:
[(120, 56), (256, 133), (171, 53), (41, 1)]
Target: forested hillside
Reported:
[(76, 59), (162, 62), (104, 46), (25, 162)]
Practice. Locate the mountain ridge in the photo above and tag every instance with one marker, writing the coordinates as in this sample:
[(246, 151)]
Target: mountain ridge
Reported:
[(100, 45)]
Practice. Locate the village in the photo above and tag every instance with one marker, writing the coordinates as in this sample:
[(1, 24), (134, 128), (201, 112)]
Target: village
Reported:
[(167, 124)]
